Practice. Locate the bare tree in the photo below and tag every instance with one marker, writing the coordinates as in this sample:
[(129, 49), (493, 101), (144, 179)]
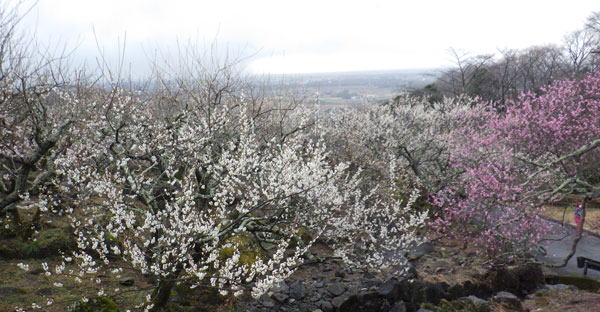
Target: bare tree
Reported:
[(38, 108), (593, 22), (466, 73), (579, 46)]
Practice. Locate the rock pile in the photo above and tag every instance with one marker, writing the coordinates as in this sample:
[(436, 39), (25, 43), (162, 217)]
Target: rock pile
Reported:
[(361, 292)]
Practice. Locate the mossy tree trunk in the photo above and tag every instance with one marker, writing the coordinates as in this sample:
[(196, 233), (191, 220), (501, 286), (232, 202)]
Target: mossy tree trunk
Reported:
[(162, 293), (160, 296)]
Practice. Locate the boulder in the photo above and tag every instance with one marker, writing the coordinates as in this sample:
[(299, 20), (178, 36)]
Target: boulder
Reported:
[(519, 280), (558, 287), (336, 289), (364, 302), (508, 300), (127, 281), (398, 307), (280, 297), (326, 306), (297, 290), (391, 289), (419, 251)]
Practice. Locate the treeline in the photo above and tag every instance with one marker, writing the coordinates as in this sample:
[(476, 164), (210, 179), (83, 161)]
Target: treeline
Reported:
[(499, 77)]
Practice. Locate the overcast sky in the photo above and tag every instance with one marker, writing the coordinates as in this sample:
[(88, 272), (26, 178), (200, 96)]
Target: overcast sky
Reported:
[(307, 35)]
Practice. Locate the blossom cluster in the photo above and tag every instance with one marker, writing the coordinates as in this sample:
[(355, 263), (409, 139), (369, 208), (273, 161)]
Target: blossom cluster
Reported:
[(541, 148), (183, 197)]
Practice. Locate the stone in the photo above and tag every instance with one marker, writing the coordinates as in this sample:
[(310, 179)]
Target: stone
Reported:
[(420, 251), (508, 300), (37, 271), (281, 287), (127, 281), (340, 274), (280, 297), (558, 287), (411, 273), (530, 277), (365, 301), (297, 290), (391, 289), (268, 302), (46, 291), (424, 310), (338, 301), (432, 292), (319, 284), (476, 300), (370, 282), (5, 291), (326, 306), (519, 280), (336, 289), (398, 307)]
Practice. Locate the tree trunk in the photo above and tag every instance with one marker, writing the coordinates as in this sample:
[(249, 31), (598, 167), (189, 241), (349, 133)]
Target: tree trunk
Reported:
[(578, 235), (160, 296)]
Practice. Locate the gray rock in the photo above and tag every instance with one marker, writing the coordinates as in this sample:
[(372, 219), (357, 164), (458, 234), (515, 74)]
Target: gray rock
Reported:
[(267, 302), (419, 251), (281, 287), (280, 297), (297, 290), (508, 300), (505, 295), (7, 291), (398, 307), (424, 310), (319, 284), (326, 306), (36, 271), (476, 300), (314, 298), (391, 289), (127, 281), (336, 289), (558, 287), (338, 301), (47, 291)]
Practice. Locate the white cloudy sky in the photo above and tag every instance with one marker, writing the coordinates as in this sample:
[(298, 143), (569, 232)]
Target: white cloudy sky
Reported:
[(311, 35)]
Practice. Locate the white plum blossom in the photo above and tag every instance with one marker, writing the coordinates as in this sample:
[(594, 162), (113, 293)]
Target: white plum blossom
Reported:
[(210, 193)]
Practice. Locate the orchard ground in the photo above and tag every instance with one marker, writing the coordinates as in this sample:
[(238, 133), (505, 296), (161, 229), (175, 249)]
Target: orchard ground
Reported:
[(444, 261)]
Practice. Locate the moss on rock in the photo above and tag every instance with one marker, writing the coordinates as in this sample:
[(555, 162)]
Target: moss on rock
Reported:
[(48, 243), (99, 304), (580, 282), (461, 305), (11, 249), (247, 247)]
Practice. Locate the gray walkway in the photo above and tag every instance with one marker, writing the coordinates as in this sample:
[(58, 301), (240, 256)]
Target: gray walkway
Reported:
[(589, 247)]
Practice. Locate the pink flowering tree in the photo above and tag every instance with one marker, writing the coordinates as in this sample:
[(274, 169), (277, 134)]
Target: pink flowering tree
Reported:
[(540, 149)]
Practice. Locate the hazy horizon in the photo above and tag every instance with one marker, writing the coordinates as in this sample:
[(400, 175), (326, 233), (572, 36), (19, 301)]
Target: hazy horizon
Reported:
[(279, 37)]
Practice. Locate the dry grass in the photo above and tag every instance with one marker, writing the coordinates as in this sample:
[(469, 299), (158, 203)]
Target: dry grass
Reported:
[(565, 300), (565, 214), (19, 288)]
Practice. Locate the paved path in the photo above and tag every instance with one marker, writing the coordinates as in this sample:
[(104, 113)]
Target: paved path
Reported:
[(589, 247)]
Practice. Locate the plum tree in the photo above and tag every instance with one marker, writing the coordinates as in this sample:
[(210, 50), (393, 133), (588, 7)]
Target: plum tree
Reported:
[(541, 148)]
